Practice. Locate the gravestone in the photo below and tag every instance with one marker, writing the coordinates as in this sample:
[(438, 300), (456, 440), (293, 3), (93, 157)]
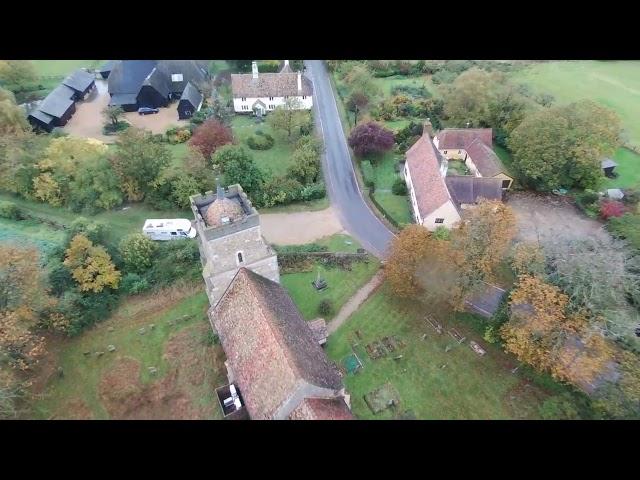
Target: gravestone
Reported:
[(111, 348), (142, 331)]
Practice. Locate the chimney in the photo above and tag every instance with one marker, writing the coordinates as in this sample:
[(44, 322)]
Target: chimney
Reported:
[(219, 190), (254, 69), (299, 82), (427, 128)]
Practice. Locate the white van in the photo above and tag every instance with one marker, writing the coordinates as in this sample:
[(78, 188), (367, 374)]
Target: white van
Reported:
[(168, 228)]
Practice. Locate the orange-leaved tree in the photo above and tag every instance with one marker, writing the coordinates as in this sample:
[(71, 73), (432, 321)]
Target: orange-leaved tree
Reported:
[(90, 265)]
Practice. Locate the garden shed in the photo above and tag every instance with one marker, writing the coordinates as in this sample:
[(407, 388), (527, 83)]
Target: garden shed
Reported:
[(608, 165)]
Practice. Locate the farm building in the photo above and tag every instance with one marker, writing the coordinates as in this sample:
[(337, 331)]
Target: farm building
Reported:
[(106, 68), (151, 83), (608, 166), (260, 93), (272, 355), (54, 111), (81, 83), (190, 102)]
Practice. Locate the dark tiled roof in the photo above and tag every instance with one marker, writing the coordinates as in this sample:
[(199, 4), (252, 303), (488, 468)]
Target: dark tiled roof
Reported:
[(269, 85), (424, 167), (191, 95), (57, 102), (484, 158), (459, 138), (486, 300), (469, 189), (321, 409), (127, 76), (269, 346), (79, 80), (191, 70), (158, 80), (608, 163)]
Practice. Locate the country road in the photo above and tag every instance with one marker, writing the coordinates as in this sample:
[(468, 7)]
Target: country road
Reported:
[(342, 186)]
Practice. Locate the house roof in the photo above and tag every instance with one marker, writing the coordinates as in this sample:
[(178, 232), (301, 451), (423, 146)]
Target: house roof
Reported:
[(608, 163), (286, 68), (424, 167), (269, 85), (452, 138), (321, 409), (124, 99), (58, 101), (79, 80), (127, 76), (484, 158), (467, 189), (191, 95), (270, 348)]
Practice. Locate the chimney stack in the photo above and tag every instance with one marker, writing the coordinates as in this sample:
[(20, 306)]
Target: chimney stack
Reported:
[(299, 82), (254, 69), (427, 128), (286, 63)]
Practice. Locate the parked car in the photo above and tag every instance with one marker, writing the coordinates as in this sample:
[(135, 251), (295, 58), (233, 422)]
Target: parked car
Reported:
[(147, 110)]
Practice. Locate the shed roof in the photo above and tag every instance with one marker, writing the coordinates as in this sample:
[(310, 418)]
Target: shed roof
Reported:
[(608, 163), (269, 346), (484, 158), (424, 167), (79, 81), (58, 102), (269, 85), (468, 189), (486, 300), (191, 95)]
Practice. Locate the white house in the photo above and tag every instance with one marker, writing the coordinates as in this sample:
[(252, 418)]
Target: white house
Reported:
[(262, 92)]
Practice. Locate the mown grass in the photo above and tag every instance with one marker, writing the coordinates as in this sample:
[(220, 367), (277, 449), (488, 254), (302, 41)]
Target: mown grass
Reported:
[(384, 175), (468, 387), (45, 68), (82, 374), (310, 206), (628, 170)]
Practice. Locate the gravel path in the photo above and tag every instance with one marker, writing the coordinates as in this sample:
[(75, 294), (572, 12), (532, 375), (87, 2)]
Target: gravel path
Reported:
[(354, 302), (300, 227)]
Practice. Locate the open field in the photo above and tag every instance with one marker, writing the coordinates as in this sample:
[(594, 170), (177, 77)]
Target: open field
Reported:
[(119, 384), (467, 387), (275, 160), (615, 84), (628, 170), (46, 68)]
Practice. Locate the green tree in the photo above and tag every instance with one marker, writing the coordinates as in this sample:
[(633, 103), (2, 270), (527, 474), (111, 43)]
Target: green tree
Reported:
[(113, 113), (17, 75), (95, 186), (289, 119), (183, 186), (467, 99), (562, 146), (242, 169), (306, 160), (137, 251), (12, 118), (139, 162), (358, 77)]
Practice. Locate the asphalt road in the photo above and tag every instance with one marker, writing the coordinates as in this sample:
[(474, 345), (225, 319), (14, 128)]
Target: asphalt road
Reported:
[(344, 192)]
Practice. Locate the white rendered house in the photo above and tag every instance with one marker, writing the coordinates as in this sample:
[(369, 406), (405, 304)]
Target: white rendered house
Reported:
[(263, 92)]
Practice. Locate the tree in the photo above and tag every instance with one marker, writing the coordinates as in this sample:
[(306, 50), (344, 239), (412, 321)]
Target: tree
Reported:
[(12, 119), (527, 258), (19, 156), (562, 146), (289, 118), (370, 138), (137, 251), (113, 114), (183, 186), (239, 167), (90, 265), (467, 99), (357, 77), (95, 186), (306, 160), (17, 75), (210, 136), (139, 162), (357, 102)]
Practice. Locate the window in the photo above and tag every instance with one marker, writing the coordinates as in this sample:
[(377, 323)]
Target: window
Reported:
[(176, 77), (240, 258), (304, 97), (271, 98), (244, 99), (506, 183), (445, 152), (439, 220)]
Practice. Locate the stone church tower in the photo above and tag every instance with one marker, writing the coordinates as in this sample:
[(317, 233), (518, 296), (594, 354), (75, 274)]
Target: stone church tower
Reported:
[(229, 238)]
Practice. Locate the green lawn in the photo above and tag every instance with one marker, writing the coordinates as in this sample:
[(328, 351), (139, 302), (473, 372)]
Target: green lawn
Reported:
[(384, 175), (628, 170), (120, 222), (179, 150), (82, 374), (615, 84), (340, 242), (469, 387), (275, 160), (310, 206), (46, 68), (342, 286)]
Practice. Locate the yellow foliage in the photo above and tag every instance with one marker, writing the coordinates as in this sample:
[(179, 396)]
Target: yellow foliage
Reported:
[(90, 265)]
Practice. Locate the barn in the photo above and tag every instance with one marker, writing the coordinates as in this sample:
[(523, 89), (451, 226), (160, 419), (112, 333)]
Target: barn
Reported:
[(106, 68), (81, 83), (190, 102), (55, 110)]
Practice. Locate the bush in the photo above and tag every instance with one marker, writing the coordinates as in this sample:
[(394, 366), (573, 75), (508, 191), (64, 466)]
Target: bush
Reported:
[(306, 248), (325, 307), (442, 233), (626, 227), (399, 187), (588, 201), (260, 141), (313, 191), (367, 173), (611, 208), (443, 76), (133, 284), (137, 251), (413, 91), (111, 129), (178, 259), (10, 210), (94, 231)]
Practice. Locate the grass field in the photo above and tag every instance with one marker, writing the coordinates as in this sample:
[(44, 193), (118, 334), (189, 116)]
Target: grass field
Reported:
[(615, 84), (385, 84), (119, 384), (468, 387), (628, 170), (120, 222), (30, 233), (275, 160), (46, 68), (384, 175)]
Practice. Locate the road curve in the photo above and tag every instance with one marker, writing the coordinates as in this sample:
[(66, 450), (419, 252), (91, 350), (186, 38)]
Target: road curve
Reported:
[(342, 186)]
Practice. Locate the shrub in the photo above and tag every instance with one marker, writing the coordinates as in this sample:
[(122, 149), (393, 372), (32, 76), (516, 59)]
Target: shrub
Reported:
[(137, 251), (175, 260), (631, 196), (367, 173), (260, 141), (442, 233), (325, 307), (305, 248), (588, 201), (94, 231), (399, 187), (626, 227), (611, 208), (413, 91), (370, 138), (111, 129), (133, 284), (443, 76), (313, 191), (10, 210), (183, 135)]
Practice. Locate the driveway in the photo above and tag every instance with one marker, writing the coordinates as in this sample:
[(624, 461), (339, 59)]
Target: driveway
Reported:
[(300, 227), (88, 120), (345, 195)]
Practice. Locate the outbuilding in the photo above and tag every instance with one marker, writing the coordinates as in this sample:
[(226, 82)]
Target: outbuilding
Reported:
[(81, 82), (106, 68), (607, 167), (190, 102), (55, 110)]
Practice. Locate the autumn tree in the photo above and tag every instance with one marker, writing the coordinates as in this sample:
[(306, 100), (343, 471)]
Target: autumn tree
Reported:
[(12, 118), (562, 146), (408, 251), (139, 162), (90, 265), (209, 136), (137, 251), (467, 100), (527, 258), (370, 138), (357, 102), (19, 157), (289, 119)]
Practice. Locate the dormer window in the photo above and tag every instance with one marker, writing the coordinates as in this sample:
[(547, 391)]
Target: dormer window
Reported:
[(176, 77)]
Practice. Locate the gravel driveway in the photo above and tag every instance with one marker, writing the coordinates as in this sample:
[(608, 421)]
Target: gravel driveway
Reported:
[(300, 227)]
